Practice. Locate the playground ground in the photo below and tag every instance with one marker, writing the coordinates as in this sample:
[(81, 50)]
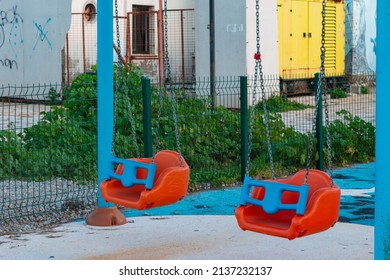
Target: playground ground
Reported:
[(203, 227)]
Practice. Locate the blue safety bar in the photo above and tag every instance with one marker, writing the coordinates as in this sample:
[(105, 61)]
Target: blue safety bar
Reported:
[(272, 201), (128, 177)]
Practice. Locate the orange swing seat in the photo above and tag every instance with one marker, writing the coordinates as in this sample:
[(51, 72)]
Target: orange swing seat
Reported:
[(169, 186), (322, 208)]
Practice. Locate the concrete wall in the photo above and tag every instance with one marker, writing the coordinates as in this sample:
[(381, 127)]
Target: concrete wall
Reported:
[(181, 4), (235, 40), (230, 38), (236, 37), (32, 36), (360, 36), (268, 36)]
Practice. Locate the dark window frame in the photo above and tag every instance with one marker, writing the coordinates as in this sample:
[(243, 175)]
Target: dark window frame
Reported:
[(141, 32)]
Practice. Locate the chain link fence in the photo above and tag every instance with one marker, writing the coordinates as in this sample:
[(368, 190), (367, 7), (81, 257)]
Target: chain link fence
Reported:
[(41, 147), (48, 139)]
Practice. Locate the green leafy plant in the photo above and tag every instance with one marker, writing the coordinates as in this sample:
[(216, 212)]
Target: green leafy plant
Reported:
[(64, 142), (338, 93), (281, 104), (363, 89), (353, 139)]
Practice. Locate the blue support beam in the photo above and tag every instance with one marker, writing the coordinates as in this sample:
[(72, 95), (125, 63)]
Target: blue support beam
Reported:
[(382, 184), (105, 92)]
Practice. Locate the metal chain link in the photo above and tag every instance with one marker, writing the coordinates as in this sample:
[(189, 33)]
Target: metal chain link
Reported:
[(167, 65), (326, 104), (168, 81), (313, 129), (259, 75), (116, 82), (321, 89), (254, 93), (122, 82), (118, 41)]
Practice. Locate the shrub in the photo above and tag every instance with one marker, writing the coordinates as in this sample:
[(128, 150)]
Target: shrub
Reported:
[(280, 104), (338, 93), (363, 89), (64, 142), (353, 139)]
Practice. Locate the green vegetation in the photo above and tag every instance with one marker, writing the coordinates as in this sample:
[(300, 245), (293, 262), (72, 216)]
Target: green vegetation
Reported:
[(277, 104), (338, 93), (64, 143), (353, 139), (363, 89)]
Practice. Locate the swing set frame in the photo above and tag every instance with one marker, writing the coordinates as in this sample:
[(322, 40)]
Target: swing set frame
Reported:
[(382, 197)]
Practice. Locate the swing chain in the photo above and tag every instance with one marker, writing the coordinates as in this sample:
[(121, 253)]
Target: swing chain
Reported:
[(122, 73), (118, 42), (259, 75), (254, 94), (171, 94), (313, 129), (321, 89), (326, 104), (167, 65), (116, 80)]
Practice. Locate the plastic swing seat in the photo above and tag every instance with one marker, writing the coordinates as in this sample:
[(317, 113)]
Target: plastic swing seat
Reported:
[(170, 183), (286, 212)]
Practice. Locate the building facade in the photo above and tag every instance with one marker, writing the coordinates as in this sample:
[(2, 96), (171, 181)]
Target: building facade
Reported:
[(32, 38)]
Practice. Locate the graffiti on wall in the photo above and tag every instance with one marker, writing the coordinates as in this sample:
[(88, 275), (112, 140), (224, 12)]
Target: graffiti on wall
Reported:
[(31, 40), (41, 34), (11, 33), (360, 35)]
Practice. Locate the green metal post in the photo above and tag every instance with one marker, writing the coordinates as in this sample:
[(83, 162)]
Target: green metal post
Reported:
[(147, 116), (319, 122), (244, 125)]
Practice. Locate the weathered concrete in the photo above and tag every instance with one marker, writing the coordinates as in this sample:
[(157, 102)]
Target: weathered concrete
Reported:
[(185, 238)]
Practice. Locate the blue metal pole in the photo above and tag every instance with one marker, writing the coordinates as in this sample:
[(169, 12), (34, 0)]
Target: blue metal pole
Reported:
[(105, 92), (382, 184)]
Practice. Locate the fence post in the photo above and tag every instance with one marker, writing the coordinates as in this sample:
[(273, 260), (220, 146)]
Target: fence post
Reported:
[(147, 116), (244, 125), (319, 122)]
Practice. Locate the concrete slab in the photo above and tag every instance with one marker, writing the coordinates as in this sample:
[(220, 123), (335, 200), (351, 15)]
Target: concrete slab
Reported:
[(185, 238)]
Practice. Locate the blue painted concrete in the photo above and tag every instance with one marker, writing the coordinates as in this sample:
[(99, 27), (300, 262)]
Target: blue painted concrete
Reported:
[(382, 149), (105, 93), (357, 203)]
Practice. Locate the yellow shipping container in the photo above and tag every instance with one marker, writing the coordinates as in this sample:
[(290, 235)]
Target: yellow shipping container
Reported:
[(300, 29)]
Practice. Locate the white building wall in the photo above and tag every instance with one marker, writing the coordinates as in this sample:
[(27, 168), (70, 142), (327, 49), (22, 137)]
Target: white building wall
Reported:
[(182, 4), (268, 36), (82, 52), (360, 36), (235, 25), (32, 36)]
